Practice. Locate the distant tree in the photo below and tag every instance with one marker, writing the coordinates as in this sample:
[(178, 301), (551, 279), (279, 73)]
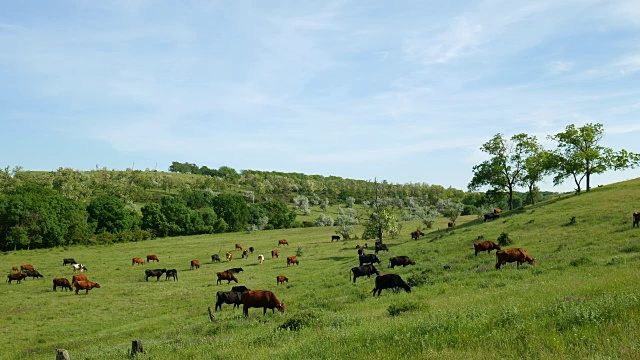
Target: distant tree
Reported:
[(450, 209), (324, 220), (197, 199), (110, 214), (579, 156), (536, 167), (233, 209), (177, 214), (249, 196), (381, 220), (301, 203), (8, 179), (153, 220), (324, 204), (427, 215), (349, 201), (72, 184), (280, 217)]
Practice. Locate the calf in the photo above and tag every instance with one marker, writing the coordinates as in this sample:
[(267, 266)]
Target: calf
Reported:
[(274, 254), (33, 274), (283, 242), (151, 258), (26, 267), (16, 277), (636, 219), (281, 279), (215, 258), (368, 259), (238, 247), (260, 259), (381, 247), (400, 260), (292, 260), (78, 277), (517, 255), (260, 299), (245, 253), (229, 256), (137, 261), (363, 270), (62, 282), (172, 273), (485, 246), (15, 269), (225, 275), (228, 297), (68, 261), (156, 272), (195, 264), (251, 249), (389, 281), (85, 285), (234, 270), (335, 237), (491, 216), (450, 224)]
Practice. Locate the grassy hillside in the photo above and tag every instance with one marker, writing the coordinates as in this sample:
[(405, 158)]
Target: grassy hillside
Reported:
[(581, 300)]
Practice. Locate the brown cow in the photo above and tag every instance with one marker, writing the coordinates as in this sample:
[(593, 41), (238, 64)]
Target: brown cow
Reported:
[(245, 254), (497, 211), (85, 285), (274, 253), (636, 219), (260, 299), (15, 269), (226, 275), (151, 258), (78, 277), (283, 242), (229, 256), (26, 267), (450, 224), (292, 260), (195, 264), (280, 279), (17, 277), (238, 247), (485, 246), (517, 255), (137, 261), (61, 282)]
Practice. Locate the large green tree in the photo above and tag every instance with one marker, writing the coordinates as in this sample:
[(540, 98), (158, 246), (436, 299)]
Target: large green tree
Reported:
[(280, 217), (579, 155), (233, 209), (110, 214)]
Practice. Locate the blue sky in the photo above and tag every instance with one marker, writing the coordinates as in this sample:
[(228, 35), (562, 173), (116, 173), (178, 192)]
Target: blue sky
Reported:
[(405, 91)]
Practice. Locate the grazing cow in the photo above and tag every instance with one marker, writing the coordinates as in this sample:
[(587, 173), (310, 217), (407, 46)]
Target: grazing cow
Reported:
[(283, 242), (33, 274), (368, 259), (260, 259), (85, 285), (15, 269), (389, 281), (364, 270), (16, 277), (62, 282), (517, 255), (281, 279), (234, 270), (228, 297), (381, 247), (79, 267), (78, 277), (240, 288), (229, 256), (26, 267), (137, 261), (292, 260), (260, 299), (195, 264), (226, 275), (415, 235), (360, 252), (450, 224), (400, 260), (358, 246), (245, 254), (365, 246), (335, 237), (485, 246), (156, 272), (151, 258), (274, 253), (172, 273), (215, 258), (491, 216), (636, 219), (251, 249), (68, 261), (238, 247)]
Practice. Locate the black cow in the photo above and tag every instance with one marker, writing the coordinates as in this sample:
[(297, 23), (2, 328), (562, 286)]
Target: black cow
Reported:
[(157, 273), (251, 249), (636, 219), (360, 252), (240, 288), (172, 273), (215, 258), (389, 281), (368, 259), (400, 260), (34, 274), (364, 270), (491, 216), (228, 297), (335, 237), (234, 270), (381, 247), (68, 261)]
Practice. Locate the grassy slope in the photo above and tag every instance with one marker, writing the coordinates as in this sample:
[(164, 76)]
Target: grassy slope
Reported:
[(471, 310)]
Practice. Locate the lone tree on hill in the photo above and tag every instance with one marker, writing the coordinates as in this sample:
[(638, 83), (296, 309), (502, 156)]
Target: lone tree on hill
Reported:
[(381, 220)]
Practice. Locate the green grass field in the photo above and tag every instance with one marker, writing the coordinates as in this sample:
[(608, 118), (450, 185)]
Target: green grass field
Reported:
[(581, 300)]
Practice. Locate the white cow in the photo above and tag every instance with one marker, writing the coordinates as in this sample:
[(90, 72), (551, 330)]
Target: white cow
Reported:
[(79, 267), (260, 259)]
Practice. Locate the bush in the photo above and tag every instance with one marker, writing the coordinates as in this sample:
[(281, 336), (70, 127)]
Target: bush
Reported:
[(504, 239), (397, 309), (299, 321), (299, 250)]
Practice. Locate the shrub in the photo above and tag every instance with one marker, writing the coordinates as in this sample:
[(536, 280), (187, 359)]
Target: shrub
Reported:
[(504, 239), (581, 261), (324, 220), (299, 250), (299, 321), (397, 309)]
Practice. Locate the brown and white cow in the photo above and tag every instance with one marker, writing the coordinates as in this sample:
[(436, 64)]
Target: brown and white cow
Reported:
[(15, 269), (16, 277), (85, 285), (281, 279), (61, 282), (137, 261), (283, 242), (260, 299), (151, 258), (226, 275), (229, 256), (292, 260), (195, 264), (517, 255), (485, 246), (260, 259), (245, 253), (274, 254)]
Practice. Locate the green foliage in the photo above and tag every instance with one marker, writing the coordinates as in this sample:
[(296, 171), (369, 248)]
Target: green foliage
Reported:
[(349, 201), (396, 309), (233, 209), (301, 203), (504, 239), (280, 217), (449, 208), (324, 220), (377, 225), (110, 214), (300, 321)]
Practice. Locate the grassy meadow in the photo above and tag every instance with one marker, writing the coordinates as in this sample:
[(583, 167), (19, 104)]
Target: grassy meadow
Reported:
[(581, 300)]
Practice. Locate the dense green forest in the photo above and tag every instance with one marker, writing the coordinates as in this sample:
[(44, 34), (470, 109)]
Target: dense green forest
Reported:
[(46, 209)]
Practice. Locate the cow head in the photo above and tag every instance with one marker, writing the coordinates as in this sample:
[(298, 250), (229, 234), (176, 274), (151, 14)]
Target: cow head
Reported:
[(280, 307), (531, 261)]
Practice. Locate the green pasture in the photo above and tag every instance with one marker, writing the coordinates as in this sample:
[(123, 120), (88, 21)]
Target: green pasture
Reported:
[(580, 301)]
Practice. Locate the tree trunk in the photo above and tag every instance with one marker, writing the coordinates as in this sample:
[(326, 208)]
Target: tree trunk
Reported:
[(510, 198), (533, 201), (588, 180)]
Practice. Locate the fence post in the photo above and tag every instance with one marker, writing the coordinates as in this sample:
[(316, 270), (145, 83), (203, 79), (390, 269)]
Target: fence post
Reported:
[(211, 317)]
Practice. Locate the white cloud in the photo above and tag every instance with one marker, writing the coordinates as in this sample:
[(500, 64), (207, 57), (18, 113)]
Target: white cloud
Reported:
[(558, 67)]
